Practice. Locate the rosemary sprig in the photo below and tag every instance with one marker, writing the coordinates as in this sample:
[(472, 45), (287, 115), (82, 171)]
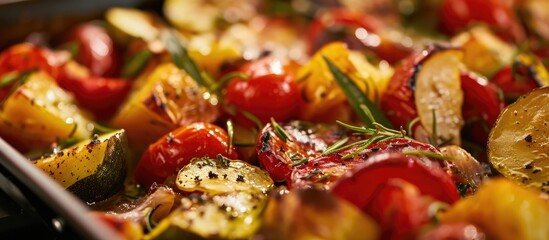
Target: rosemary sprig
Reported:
[(227, 78), (428, 154), (411, 125), (280, 131), (377, 133), (136, 63), (230, 132), (357, 98), (335, 147), (252, 118), (180, 56)]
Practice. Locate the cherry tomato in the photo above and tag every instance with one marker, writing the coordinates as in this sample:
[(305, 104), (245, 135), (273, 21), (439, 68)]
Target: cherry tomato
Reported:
[(481, 106), (359, 31), (96, 50), (279, 156), (456, 15), (175, 150), (358, 186), (102, 96), (266, 97), (399, 209), (524, 75), (398, 98)]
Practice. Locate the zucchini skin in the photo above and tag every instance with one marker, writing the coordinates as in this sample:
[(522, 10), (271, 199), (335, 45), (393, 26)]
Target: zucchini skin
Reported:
[(109, 176)]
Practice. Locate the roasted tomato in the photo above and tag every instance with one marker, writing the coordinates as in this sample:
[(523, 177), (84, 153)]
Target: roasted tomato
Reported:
[(268, 93), (427, 86), (400, 209), (358, 185), (457, 15), (102, 96), (176, 149), (96, 50), (524, 75), (305, 141), (359, 31), (323, 171), (482, 103)]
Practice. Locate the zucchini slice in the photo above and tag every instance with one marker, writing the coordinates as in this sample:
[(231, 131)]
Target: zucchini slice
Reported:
[(518, 146), (93, 169), (227, 216), (221, 175)]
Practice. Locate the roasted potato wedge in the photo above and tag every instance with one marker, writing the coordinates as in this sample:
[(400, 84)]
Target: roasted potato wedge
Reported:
[(39, 113)]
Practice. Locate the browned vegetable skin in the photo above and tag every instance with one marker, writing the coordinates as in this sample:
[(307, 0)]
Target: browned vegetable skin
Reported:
[(168, 99)]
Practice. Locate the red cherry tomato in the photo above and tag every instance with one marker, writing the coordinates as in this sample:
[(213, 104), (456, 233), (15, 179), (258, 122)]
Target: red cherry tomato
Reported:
[(456, 15), (266, 97), (398, 98), (481, 106), (358, 186), (359, 31), (175, 150), (399, 209), (102, 96), (514, 84), (96, 50)]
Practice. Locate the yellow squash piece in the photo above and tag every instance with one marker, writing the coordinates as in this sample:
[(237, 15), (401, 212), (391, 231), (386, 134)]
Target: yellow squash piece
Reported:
[(504, 211), (94, 169), (485, 53), (321, 92), (40, 113)]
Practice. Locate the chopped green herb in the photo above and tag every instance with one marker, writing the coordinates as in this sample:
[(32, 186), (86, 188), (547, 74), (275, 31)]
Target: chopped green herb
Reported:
[(180, 56), (428, 154), (136, 63), (280, 131), (335, 146), (253, 118), (227, 78)]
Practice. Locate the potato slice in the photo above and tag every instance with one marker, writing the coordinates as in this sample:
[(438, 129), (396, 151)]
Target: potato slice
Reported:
[(40, 113), (518, 146), (503, 210), (438, 89)]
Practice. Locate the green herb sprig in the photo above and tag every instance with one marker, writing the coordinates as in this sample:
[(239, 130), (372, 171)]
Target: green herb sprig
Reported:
[(358, 100)]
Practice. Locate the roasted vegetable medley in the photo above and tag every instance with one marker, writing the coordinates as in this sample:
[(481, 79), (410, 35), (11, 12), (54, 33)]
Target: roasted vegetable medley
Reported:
[(294, 119)]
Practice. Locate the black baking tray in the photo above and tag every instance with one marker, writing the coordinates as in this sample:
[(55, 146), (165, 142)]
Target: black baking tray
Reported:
[(32, 205)]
